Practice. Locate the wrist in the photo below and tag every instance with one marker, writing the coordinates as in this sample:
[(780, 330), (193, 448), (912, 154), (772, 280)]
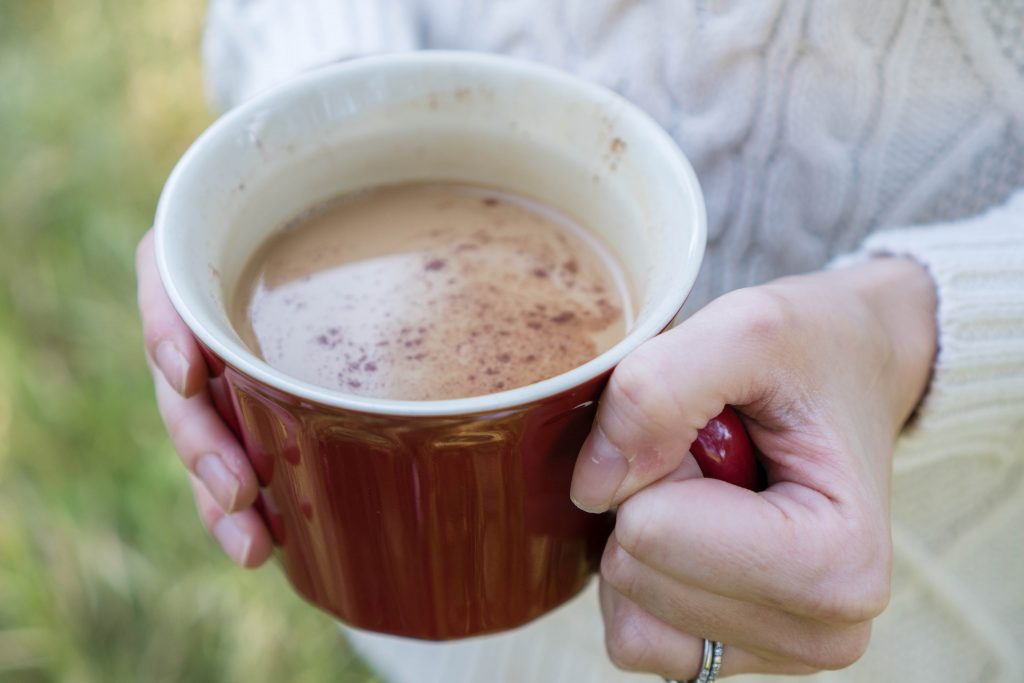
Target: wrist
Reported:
[(901, 295)]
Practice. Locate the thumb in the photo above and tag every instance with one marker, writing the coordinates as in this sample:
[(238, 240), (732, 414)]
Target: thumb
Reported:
[(662, 394)]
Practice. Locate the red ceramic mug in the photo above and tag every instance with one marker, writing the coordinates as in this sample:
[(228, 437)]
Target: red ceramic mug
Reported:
[(431, 519)]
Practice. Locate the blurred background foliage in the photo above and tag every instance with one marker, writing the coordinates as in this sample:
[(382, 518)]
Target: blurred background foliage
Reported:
[(105, 572)]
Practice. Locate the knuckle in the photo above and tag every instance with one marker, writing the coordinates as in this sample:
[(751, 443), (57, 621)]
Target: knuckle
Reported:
[(861, 591), (876, 575), (176, 420), (766, 315), (851, 648), (184, 435), (849, 602), (837, 651), (878, 597), (868, 599), (634, 385), (618, 569), (626, 641), (635, 525)]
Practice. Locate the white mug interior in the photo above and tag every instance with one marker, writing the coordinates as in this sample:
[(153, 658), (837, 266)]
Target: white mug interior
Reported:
[(437, 116)]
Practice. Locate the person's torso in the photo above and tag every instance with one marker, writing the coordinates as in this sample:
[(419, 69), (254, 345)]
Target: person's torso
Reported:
[(810, 123)]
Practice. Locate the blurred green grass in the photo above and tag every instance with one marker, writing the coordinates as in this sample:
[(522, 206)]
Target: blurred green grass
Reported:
[(105, 572)]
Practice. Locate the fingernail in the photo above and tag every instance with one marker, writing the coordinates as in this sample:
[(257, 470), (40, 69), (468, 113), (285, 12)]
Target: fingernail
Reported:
[(173, 364), (235, 542), (221, 484), (600, 472)]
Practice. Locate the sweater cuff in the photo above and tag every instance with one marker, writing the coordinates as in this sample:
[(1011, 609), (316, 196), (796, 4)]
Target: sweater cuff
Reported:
[(977, 266), (252, 45)]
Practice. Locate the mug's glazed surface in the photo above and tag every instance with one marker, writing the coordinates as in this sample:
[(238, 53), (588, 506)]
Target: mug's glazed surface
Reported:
[(428, 527)]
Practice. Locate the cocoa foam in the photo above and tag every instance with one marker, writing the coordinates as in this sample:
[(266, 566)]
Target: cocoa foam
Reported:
[(431, 291)]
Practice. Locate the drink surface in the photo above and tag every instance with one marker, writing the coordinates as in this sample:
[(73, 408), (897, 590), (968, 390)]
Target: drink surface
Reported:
[(430, 291)]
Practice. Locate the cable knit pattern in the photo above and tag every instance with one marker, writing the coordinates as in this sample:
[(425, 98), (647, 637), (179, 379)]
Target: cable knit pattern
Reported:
[(1009, 34), (958, 474), (251, 45), (818, 128)]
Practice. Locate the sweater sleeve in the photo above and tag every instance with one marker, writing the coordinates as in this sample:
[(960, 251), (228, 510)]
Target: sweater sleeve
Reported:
[(977, 384), (251, 45)]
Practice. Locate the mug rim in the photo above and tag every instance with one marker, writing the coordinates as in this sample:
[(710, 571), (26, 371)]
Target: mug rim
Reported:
[(235, 354)]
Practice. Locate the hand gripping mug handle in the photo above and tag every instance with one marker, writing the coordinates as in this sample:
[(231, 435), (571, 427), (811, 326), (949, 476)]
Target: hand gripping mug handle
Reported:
[(723, 450)]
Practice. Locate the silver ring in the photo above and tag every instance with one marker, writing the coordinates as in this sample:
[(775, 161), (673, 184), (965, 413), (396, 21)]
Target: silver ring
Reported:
[(710, 663), (716, 665)]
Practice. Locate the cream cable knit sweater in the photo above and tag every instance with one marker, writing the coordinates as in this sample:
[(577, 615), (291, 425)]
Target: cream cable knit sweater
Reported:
[(815, 126)]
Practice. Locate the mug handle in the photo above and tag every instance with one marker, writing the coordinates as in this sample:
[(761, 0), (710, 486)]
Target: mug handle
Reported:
[(723, 450)]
